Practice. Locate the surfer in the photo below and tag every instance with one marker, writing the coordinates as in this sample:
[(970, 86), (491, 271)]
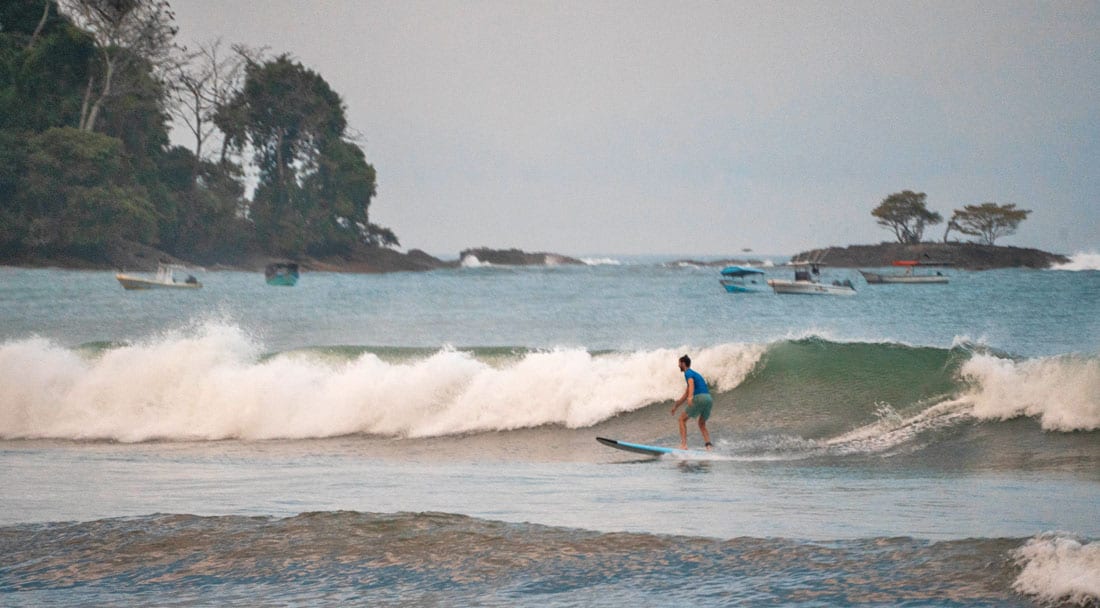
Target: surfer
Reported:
[(701, 403)]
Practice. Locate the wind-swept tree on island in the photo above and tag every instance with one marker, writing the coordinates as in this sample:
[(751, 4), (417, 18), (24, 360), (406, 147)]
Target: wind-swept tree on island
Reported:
[(988, 221), (907, 215)]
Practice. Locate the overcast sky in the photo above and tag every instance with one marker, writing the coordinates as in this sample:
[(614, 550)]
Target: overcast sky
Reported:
[(699, 127)]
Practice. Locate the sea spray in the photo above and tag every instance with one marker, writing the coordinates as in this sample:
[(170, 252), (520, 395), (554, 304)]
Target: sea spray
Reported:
[(1082, 260)]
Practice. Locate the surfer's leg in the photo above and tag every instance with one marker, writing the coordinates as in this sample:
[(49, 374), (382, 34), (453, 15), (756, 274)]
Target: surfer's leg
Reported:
[(703, 429), (684, 431)]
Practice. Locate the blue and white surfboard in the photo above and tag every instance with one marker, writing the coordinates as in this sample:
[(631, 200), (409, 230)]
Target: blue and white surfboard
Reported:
[(649, 450)]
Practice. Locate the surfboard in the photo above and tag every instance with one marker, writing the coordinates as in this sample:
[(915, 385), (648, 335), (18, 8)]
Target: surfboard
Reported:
[(649, 450)]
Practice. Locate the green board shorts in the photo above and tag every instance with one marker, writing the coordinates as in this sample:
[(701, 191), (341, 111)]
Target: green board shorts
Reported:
[(700, 406)]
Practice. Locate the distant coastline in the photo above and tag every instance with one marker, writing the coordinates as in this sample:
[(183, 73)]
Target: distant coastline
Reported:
[(130, 256)]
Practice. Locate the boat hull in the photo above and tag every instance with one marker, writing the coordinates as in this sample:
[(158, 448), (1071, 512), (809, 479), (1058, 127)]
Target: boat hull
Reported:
[(810, 288), (732, 287), (133, 283), (284, 280), (874, 278)]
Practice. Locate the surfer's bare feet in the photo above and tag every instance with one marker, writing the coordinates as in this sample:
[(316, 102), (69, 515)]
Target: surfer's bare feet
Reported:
[(709, 446), (683, 446)]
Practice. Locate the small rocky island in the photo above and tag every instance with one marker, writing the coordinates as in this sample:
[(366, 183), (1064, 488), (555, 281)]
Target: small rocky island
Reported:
[(516, 257), (969, 256)]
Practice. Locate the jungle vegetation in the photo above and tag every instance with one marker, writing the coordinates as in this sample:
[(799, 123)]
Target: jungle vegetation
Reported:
[(89, 90)]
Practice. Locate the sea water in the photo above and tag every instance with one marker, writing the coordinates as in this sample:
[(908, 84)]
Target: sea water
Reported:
[(428, 439)]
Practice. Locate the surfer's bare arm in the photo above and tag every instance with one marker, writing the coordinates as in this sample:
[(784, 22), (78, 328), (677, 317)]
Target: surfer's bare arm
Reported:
[(684, 397)]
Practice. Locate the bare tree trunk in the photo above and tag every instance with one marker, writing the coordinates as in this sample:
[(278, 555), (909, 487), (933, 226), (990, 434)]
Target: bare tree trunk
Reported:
[(41, 24), (84, 104), (89, 124)]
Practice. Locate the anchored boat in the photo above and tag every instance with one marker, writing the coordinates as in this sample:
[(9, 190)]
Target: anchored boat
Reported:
[(164, 279), (908, 276), (807, 281), (284, 274), (740, 279)]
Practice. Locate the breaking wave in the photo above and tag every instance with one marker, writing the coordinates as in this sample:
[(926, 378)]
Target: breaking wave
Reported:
[(217, 384), (215, 381)]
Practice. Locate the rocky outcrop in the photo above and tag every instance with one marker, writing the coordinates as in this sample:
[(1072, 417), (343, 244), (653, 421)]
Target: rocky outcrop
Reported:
[(971, 256), (717, 263), (376, 260), (515, 257)]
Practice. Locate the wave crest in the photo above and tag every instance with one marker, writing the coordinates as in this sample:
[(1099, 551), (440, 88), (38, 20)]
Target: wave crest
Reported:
[(1063, 391), (217, 385)]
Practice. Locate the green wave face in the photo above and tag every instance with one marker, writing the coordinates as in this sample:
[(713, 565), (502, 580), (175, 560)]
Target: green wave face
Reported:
[(817, 388)]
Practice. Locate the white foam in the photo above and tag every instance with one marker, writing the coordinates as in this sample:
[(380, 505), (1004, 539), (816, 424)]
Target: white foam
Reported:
[(471, 261), (1063, 391), (212, 383), (1058, 568), (1082, 260), (601, 262), (892, 430)]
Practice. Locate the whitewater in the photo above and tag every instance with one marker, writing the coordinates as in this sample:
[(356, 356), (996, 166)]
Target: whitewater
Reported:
[(426, 438)]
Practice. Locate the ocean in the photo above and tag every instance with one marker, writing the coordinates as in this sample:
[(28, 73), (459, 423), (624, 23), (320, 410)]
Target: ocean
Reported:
[(428, 439)]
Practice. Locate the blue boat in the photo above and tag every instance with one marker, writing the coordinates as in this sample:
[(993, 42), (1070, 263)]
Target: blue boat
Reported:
[(283, 274), (739, 279)]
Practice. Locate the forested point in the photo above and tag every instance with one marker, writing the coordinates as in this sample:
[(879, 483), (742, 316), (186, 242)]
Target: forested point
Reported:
[(89, 90)]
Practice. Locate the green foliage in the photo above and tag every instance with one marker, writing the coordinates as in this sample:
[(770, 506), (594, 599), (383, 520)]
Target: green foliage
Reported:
[(208, 224), (315, 187), (907, 215), (338, 196), (286, 113), (80, 194), (13, 160), (22, 16), (72, 191), (42, 87), (988, 221)]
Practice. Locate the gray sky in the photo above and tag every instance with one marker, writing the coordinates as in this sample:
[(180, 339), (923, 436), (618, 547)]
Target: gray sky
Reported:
[(699, 127)]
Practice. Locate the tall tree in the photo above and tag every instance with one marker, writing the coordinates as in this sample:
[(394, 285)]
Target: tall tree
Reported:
[(287, 115), (125, 32), (989, 221), (906, 214)]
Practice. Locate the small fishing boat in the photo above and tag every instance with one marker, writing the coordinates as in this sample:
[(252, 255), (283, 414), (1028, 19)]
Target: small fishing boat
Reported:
[(283, 273), (907, 277), (807, 281), (164, 279), (740, 279)]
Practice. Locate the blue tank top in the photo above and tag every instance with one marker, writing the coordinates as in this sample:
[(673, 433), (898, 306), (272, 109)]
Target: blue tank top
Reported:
[(700, 384)]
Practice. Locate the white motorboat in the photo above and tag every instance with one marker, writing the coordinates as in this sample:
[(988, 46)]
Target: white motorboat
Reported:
[(807, 281), (164, 279)]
